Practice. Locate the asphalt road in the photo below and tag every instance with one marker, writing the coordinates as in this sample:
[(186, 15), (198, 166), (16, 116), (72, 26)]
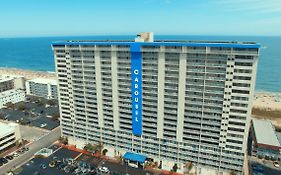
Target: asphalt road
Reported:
[(42, 142)]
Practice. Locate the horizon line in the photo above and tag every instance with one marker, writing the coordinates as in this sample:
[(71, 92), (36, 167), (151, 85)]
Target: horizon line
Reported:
[(87, 35)]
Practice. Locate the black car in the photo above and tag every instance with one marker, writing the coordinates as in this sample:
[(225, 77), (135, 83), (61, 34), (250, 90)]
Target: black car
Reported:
[(9, 157), (3, 160), (25, 149), (61, 166)]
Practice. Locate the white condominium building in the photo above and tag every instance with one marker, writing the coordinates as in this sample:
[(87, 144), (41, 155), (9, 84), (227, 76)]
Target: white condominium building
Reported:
[(8, 82), (42, 87), (9, 135), (11, 96), (173, 101)]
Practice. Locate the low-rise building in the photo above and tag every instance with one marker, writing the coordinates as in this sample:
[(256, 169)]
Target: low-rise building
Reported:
[(9, 135), (11, 96), (6, 84), (46, 88), (265, 143), (9, 82)]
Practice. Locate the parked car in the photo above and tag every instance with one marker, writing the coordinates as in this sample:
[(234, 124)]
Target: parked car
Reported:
[(43, 125), (43, 166), (9, 157), (103, 169), (25, 149), (276, 164), (52, 164), (258, 168), (3, 160), (62, 165), (15, 154), (20, 151)]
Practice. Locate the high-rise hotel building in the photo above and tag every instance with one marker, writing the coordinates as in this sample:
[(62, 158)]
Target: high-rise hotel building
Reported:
[(173, 101)]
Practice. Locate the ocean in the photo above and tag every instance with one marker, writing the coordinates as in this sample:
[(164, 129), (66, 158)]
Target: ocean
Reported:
[(36, 54)]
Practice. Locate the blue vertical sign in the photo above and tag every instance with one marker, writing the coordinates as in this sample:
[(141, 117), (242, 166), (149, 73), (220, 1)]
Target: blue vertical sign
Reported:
[(136, 66)]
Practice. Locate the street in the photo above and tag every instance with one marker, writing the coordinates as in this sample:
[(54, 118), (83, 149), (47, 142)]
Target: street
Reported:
[(44, 141)]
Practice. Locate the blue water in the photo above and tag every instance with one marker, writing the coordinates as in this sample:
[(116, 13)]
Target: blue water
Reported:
[(36, 54)]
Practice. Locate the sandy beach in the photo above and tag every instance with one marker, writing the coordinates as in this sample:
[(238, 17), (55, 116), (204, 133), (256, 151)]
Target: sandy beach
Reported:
[(267, 101), (27, 73)]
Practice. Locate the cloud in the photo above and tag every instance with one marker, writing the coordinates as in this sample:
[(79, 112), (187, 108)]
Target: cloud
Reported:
[(252, 6)]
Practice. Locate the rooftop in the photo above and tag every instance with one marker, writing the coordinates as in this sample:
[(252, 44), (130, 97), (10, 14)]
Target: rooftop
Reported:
[(10, 92), (4, 79), (232, 44), (44, 81), (265, 132), (6, 128)]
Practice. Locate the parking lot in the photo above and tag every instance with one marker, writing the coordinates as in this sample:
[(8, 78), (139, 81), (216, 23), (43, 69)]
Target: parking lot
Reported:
[(64, 161), (33, 113), (259, 167)]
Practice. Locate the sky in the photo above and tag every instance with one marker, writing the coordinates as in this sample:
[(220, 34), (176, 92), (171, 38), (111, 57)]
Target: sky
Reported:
[(21, 18)]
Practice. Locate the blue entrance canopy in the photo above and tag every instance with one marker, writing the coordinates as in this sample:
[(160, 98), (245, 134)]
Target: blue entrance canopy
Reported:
[(134, 157)]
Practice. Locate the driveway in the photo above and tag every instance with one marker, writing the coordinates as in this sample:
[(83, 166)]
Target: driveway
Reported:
[(42, 142)]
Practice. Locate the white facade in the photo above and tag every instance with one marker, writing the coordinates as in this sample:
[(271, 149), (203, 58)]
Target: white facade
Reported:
[(9, 135), (46, 88), (11, 96), (196, 99), (9, 82), (6, 84)]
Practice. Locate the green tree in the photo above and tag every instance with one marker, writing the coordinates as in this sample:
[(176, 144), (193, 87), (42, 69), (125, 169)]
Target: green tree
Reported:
[(55, 116), (21, 107), (52, 102), (99, 147), (63, 140), (89, 147), (2, 115), (104, 152), (10, 105), (175, 168)]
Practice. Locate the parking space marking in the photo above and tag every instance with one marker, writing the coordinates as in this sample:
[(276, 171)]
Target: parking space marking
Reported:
[(78, 156), (57, 150)]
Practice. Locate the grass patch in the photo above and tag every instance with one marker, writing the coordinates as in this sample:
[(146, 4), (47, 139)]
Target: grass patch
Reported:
[(267, 114)]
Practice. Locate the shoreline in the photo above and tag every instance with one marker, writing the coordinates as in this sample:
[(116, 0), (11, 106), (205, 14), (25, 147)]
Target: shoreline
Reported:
[(28, 74)]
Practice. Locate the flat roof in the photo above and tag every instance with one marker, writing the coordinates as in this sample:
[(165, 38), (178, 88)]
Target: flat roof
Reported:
[(164, 43), (11, 76), (134, 157), (44, 81), (6, 128), (265, 132), (10, 92), (279, 137), (4, 79)]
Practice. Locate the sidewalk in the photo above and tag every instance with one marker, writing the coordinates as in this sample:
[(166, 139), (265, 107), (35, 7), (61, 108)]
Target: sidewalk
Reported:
[(13, 149), (113, 160)]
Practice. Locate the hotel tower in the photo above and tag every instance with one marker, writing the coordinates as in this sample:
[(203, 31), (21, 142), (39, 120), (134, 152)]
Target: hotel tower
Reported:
[(172, 101)]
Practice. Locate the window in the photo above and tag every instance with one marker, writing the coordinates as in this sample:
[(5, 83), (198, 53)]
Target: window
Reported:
[(243, 64)]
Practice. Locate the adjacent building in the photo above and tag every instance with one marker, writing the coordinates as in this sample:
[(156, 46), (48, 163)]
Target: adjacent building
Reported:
[(9, 82), (265, 143), (41, 87), (6, 84), (11, 96), (171, 101), (9, 135)]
